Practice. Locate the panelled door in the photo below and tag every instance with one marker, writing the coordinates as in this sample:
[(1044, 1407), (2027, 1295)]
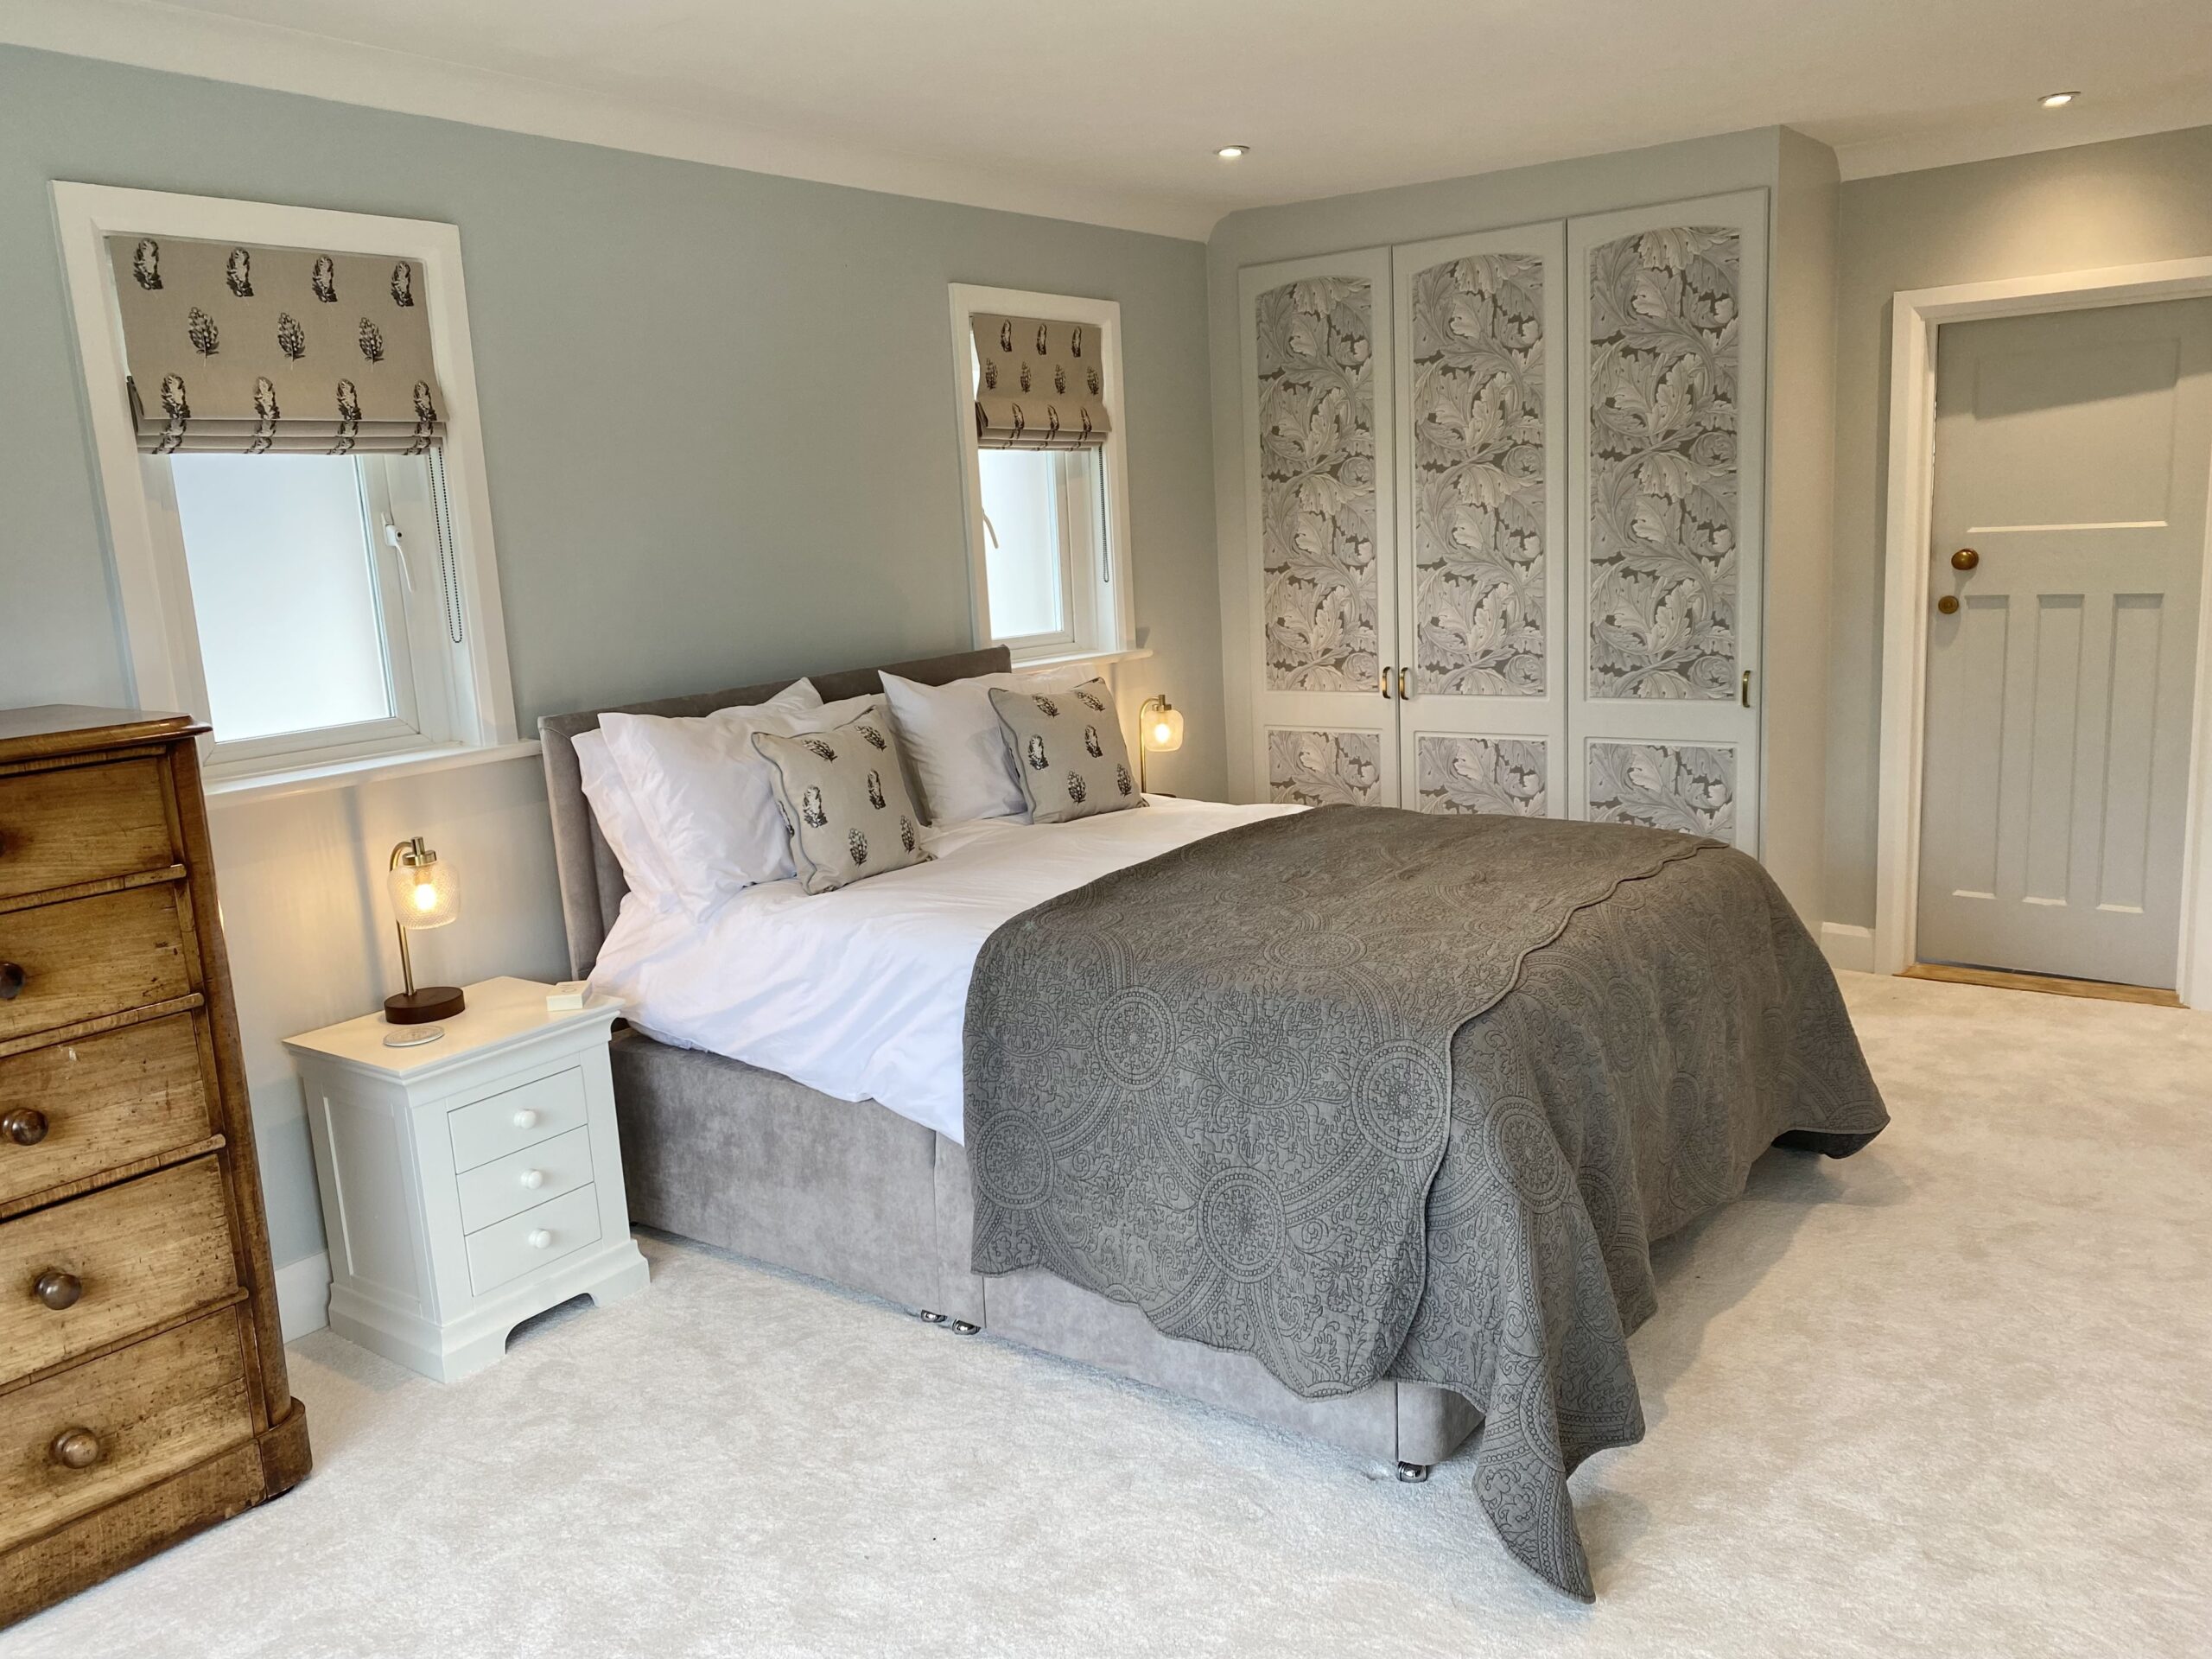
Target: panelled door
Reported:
[(1321, 504), (1665, 542), (2071, 456), (1481, 674)]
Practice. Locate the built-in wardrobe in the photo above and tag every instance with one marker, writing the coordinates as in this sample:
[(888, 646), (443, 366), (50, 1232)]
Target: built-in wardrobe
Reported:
[(1506, 522)]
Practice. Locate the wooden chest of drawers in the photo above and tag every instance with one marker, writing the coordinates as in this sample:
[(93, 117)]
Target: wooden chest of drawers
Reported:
[(143, 1394)]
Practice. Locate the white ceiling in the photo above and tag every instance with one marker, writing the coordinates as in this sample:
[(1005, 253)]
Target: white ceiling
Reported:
[(1111, 111)]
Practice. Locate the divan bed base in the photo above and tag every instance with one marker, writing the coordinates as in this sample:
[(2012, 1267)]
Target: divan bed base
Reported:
[(752, 1162)]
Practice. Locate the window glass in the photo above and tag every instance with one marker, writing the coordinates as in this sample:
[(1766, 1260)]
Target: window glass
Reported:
[(284, 592), (1023, 558)]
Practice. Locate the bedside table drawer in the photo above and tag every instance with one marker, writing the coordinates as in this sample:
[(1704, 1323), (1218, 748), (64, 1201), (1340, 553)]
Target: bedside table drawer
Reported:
[(121, 1422), (521, 1117), (521, 1180), (85, 957), (76, 1108), (87, 1272), (508, 1249), (80, 823)]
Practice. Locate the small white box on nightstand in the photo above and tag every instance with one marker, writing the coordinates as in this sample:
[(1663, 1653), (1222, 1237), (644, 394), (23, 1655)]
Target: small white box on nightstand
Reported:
[(471, 1182)]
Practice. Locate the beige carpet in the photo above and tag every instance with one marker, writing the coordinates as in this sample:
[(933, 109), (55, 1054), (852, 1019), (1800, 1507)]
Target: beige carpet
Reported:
[(1952, 1397)]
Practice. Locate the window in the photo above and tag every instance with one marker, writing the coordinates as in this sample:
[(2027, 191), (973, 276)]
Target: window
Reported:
[(1049, 566), (323, 611), (320, 590)]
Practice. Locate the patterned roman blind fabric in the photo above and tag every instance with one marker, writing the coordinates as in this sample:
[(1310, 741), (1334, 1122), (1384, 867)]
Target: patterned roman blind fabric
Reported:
[(255, 350), (1039, 385)]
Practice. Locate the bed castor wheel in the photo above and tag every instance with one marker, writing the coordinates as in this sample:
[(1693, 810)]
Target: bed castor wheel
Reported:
[(929, 1318), (962, 1328), (1413, 1473)]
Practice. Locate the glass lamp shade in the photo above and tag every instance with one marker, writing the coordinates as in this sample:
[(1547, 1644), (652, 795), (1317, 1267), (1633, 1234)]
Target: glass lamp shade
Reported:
[(423, 894), (1159, 726)]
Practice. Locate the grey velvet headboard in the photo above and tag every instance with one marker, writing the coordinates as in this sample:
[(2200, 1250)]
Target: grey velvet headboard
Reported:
[(591, 880)]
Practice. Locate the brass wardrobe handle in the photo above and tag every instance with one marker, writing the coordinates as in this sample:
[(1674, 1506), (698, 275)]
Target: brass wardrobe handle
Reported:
[(1965, 559), (24, 1125), (1403, 693), (1948, 604), (1386, 679)]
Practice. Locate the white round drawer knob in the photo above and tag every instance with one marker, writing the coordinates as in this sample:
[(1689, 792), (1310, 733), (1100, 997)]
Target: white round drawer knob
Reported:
[(533, 1179), (525, 1119), (539, 1238)]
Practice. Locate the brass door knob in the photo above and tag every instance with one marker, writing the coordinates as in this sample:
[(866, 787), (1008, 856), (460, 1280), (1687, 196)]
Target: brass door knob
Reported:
[(11, 980), (24, 1125), (75, 1448), (58, 1289), (1948, 604), (1965, 559)]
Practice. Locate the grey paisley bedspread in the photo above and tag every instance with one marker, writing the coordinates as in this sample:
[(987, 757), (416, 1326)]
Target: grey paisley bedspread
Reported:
[(1367, 1093)]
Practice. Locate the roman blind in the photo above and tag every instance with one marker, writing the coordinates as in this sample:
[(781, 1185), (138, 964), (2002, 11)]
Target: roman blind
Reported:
[(1039, 385), (249, 350)]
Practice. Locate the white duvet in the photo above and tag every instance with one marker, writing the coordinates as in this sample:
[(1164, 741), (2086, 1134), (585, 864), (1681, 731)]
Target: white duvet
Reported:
[(860, 993)]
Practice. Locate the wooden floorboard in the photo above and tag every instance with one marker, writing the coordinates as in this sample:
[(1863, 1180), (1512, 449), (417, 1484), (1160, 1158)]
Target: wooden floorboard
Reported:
[(2096, 990)]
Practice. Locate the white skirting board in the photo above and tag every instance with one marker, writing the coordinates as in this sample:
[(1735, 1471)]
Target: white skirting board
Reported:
[(303, 1294), (1848, 949)]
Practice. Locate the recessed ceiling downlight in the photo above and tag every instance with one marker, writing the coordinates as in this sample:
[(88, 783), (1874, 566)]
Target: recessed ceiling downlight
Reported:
[(1231, 152), (2057, 101)]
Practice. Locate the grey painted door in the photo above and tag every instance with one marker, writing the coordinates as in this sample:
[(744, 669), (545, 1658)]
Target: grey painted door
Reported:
[(2071, 458)]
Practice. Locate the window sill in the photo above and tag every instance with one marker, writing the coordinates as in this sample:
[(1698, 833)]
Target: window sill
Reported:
[(368, 769), (1069, 658)]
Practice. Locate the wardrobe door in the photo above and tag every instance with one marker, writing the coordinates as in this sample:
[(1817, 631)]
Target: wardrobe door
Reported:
[(1666, 540), (1482, 515), (1321, 517)]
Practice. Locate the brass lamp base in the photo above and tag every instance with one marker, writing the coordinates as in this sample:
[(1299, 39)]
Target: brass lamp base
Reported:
[(421, 1006)]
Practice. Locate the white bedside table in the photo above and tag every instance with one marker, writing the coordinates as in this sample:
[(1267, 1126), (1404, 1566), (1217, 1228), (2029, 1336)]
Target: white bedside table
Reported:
[(469, 1183)]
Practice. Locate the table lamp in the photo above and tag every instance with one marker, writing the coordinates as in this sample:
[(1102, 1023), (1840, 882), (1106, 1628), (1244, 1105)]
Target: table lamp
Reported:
[(1160, 731), (423, 894)]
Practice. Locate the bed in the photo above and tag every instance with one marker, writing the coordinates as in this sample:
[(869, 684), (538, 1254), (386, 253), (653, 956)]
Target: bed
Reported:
[(864, 1000)]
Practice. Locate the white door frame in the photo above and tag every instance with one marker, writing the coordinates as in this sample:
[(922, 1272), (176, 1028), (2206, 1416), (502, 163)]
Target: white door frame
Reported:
[(1917, 314)]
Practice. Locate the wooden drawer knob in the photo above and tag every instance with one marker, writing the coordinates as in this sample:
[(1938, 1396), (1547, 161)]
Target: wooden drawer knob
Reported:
[(11, 981), (525, 1119), (24, 1125), (75, 1448), (533, 1179), (539, 1239), (57, 1289)]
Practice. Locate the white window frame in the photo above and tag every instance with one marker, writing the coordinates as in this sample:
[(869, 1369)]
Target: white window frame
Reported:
[(1100, 603), (473, 712)]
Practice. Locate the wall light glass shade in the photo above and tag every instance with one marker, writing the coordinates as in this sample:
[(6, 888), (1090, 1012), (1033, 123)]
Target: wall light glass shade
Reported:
[(424, 893), (1159, 726)]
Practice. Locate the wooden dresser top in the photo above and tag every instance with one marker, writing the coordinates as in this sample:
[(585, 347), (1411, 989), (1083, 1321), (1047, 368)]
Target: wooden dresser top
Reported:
[(46, 729)]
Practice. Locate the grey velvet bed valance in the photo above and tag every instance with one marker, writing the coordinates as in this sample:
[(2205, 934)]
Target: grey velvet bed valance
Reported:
[(1039, 385), (252, 350)]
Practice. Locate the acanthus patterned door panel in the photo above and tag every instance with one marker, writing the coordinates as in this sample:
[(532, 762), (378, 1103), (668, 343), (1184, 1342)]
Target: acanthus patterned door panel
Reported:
[(1482, 512), (1667, 367), (2069, 523), (1321, 512)]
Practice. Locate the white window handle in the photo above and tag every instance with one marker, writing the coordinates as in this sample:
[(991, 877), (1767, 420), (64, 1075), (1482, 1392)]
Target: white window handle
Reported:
[(394, 541), (525, 1119), (533, 1179), (540, 1239)]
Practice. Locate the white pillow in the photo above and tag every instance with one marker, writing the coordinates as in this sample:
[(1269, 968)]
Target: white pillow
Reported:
[(705, 798), (952, 735), (619, 820)]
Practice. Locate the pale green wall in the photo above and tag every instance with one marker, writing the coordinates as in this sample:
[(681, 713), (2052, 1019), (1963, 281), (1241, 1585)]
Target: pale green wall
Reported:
[(2126, 202), (716, 410)]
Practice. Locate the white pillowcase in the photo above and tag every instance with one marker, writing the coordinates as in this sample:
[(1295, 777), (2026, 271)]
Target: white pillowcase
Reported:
[(953, 736), (705, 798), (619, 820)]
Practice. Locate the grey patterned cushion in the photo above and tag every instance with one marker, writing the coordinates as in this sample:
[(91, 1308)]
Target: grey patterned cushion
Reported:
[(844, 795), (1067, 746)]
